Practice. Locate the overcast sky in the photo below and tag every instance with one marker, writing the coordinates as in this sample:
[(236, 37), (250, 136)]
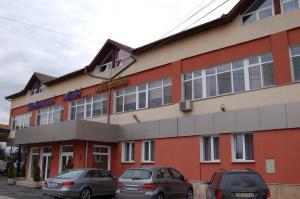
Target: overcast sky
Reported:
[(30, 39)]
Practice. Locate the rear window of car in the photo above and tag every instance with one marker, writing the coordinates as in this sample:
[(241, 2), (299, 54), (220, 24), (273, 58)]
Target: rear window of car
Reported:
[(137, 174), (70, 174), (245, 180)]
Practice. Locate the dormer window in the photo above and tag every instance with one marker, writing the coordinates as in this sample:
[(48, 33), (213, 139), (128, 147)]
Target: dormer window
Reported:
[(260, 9), (105, 67), (37, 88), (287, 5)]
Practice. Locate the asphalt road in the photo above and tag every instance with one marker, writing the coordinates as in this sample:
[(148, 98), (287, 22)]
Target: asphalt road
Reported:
[(20, 192)]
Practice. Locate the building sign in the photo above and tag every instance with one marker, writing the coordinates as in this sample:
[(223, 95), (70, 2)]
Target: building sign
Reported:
[(72, 95), (115, 83), (41, 104)]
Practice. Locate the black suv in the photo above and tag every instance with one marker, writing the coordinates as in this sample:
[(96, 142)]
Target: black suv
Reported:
[(237, 184)]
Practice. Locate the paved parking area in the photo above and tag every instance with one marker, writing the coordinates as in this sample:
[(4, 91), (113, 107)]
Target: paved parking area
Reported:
[(19, 192)]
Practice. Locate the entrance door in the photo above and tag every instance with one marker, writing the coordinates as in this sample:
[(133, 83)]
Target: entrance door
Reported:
[(101, 157), (46, 162), (66, 158), (34, 160)]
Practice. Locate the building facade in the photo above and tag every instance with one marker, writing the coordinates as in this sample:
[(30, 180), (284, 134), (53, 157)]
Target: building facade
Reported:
[(224, 94)]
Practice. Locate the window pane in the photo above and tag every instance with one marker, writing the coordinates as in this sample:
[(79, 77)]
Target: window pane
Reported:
[(238, 64), (266, 58), (57, 116), (142, 100), (266, 13), (146, 151), (88, 110), (290, 5), (80, 112), (238, 80), (188, 90), (96, 109), (238, 144), (187, 76), (155, 84), (152, 150), (206, 148), (224, 83), (254, 77), (224, 68), (253, 60), (211, 86), (132, 151), (130, 90), (104, 107), (155, 97), (167, 94), (296, 65), (216, 148), (73, 112), (142, 87), (249, 146), (259, 5), (197, 74), (210, 71), (198, 88), (167, 81), (129, 102), (268, 74), (126, 151), (249, 19), (119, 104), (295, 50)]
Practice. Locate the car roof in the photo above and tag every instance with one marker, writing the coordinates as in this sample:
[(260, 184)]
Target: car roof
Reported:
[(151, 168), (238, 171)]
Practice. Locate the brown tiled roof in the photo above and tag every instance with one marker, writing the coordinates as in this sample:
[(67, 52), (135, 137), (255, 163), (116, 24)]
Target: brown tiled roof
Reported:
[(239, 8)]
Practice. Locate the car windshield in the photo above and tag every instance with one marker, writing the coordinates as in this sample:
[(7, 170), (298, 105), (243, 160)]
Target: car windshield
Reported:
[(137, 174), (245, 180), (70, 174)]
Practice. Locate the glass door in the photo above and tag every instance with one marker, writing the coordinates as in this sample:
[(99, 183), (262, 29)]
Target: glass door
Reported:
[(46, 162), (66, 158), (34, 160), (101, 157)]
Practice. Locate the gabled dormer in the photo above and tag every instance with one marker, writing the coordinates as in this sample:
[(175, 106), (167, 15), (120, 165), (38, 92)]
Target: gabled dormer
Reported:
[(111, 60)]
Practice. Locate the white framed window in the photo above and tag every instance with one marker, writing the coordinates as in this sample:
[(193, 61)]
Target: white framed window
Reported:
[(242, 145), (210, 149), (101, 157), (128, 152), (21, 121), (153, 94), (295, 59), (66, 158), (49, 115), (89, 107), (260, 9), (148, 151), (288, 5), (241, 75)]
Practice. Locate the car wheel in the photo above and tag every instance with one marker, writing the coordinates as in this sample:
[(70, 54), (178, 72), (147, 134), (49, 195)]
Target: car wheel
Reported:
[(86, 193), (160, 196), (190, 194)]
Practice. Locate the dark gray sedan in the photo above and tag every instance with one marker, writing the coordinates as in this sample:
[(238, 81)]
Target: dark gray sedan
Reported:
[(82, 183), (153, 183)]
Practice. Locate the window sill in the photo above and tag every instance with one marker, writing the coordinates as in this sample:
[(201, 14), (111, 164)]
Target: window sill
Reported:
[(211, 162), (148, 162), (243, 161), (127, 162)]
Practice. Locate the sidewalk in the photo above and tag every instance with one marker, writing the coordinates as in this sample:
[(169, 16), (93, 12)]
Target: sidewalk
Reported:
[(5, 197)]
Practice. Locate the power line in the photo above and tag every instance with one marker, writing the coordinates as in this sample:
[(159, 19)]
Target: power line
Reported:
[(188, 17), (205, 15), (45, 29)]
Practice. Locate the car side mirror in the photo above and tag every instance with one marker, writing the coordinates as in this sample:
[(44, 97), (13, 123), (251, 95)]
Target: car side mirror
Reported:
[(184, 178)]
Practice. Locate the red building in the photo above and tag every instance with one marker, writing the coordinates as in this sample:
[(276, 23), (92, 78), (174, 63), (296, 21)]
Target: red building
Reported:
[(224, 94)]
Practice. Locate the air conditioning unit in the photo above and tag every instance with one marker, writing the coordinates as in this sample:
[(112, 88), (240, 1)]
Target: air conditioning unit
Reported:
[(185, 106)]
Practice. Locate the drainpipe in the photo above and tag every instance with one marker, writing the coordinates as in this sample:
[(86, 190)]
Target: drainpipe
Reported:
[(86, 153)]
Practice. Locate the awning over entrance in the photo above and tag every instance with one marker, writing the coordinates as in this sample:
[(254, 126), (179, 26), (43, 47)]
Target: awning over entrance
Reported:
[(68, 130)]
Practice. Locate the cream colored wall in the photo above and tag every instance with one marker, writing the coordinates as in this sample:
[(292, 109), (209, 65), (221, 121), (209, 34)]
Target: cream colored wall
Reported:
[(217, 38), (78, 82), (259, 98)]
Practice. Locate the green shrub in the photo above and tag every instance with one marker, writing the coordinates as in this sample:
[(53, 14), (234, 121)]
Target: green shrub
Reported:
[(37, 174)]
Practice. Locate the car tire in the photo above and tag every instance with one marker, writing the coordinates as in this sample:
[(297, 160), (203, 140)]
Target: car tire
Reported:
[(86, 193), (190, 194), (160, 196)]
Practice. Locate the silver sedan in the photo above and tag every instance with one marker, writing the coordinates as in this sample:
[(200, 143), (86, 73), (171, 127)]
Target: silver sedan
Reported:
[(82, 183)]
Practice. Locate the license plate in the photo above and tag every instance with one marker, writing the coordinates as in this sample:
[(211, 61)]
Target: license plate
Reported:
[(131, 189), (52, 184), (244, 195)]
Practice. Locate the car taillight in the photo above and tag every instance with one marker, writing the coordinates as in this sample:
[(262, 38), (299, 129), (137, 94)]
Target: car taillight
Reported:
[(219, 194), (268, 193), (120, 185), (67, 184), (149, 186)]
